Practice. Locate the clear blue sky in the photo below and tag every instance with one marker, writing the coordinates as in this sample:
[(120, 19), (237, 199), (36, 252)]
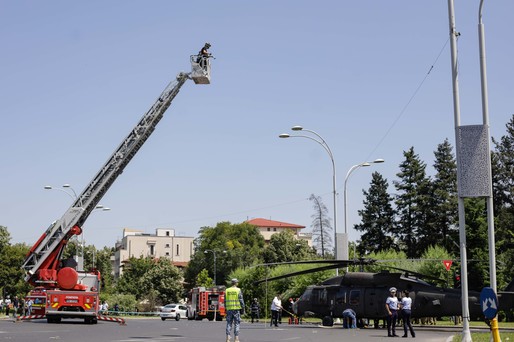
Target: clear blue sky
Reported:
[(77, 76)]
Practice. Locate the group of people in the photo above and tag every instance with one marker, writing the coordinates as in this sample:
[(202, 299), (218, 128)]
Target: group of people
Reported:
[(235, 307), (12, 307), (393, 307)]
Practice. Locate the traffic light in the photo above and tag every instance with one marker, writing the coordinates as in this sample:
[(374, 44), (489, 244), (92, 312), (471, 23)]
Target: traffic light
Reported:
[(456, 280)]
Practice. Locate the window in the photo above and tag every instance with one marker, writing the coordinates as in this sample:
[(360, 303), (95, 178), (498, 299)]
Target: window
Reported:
[(167, 245), (274, 229), (355, 297), (167, 233), (167, 253), (152, 249), (178, 249), (269, 229)]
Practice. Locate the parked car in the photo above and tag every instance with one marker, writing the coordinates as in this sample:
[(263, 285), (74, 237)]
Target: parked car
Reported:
[(176, 311)]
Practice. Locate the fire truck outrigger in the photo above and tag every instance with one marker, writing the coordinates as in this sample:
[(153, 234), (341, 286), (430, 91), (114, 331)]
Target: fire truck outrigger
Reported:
[(72, 293)]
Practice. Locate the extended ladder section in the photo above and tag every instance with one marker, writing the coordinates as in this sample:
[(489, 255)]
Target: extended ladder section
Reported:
[(45, 254)]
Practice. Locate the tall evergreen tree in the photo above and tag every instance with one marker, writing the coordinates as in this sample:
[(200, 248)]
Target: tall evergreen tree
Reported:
[(444, 198), (412, 205), (377, 217), (503, 197), (321, 227)]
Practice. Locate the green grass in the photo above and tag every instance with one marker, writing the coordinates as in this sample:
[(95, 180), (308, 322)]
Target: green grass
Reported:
[(486, 337)]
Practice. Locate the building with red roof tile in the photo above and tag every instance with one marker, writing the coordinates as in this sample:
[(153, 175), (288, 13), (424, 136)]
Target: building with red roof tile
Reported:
[(269, 227)]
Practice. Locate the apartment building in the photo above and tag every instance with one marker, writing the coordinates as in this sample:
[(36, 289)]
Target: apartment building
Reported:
[(163, 244)]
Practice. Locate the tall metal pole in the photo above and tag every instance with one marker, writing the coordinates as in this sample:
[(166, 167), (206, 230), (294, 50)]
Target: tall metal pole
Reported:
[(485, 114), (466, 334), (345, 198), (325, 146), (489, 199)]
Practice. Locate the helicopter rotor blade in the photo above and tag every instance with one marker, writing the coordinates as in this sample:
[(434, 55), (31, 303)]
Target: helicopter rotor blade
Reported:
[(417, 274), (292, 274)]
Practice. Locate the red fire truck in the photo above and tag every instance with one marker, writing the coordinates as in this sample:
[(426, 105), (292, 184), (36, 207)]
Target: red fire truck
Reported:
[(206, 303), (71, 292), (38, 297)]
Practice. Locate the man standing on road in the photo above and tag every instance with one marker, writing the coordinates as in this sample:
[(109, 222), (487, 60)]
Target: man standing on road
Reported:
[(392, 312), (234, 306), (276, 306), (255, 309)]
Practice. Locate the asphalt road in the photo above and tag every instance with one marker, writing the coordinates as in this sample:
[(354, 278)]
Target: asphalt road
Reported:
[(153, 329)]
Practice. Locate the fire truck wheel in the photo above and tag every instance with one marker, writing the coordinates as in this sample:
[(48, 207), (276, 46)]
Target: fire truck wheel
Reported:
[(163, 318), (177, 317)]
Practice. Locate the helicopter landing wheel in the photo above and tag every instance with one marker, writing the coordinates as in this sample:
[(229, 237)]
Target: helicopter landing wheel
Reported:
[(327, 321)]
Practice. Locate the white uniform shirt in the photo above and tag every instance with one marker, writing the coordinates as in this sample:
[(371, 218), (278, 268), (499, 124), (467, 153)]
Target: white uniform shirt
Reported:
[(276, 304), (406, 303), (392, 302)]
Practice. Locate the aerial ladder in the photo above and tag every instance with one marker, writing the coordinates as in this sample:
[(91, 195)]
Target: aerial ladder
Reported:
[(73, 293)]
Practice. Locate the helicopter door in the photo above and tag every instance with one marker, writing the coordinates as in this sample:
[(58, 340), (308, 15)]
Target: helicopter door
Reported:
[(373, 304)]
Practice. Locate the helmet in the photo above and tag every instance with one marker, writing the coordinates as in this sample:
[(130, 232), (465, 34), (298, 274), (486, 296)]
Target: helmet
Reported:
[(392, 289), (207, 45), (234, 281)]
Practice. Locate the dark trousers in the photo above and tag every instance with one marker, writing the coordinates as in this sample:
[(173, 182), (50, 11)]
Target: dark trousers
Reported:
[(391, 323), (406, 323), (274, 318), (255, 316)]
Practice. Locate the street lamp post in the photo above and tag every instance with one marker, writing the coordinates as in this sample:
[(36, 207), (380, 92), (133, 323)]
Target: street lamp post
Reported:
[(353, 168), (73, 195), (325, 146), (213, 251)]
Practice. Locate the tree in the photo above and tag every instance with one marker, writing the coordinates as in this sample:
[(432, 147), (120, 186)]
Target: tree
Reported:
[(104, 265), (321, 226), (476, 240), (5, 237), (11, 274), (444, 199), (203, 279), (502, 160), (243, 245), (133, 272), (165, 279), (377, 217), (412, 205), (284, 246), (432, 264)]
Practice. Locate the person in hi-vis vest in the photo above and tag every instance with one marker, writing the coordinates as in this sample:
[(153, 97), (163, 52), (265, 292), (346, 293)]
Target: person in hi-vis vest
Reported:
[(235, 307)]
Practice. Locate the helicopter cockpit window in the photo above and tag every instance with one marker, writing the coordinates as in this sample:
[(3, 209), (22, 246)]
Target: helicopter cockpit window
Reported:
[(323, 297), (341, 296), (355, 297), (306, 295)]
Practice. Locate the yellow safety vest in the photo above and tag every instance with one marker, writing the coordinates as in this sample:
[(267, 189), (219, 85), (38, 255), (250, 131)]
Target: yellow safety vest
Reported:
[(232, 298)]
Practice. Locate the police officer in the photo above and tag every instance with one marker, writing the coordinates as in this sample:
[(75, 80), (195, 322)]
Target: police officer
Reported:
[(234, 306), (392, 312)]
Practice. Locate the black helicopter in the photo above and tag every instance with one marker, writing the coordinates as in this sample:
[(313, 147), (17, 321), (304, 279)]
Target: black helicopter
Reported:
[(366, 294)]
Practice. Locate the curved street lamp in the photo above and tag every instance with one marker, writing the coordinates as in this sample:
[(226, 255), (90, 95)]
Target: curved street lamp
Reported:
[(353, 168), (73, 195), (213, 251), (323, 144)]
